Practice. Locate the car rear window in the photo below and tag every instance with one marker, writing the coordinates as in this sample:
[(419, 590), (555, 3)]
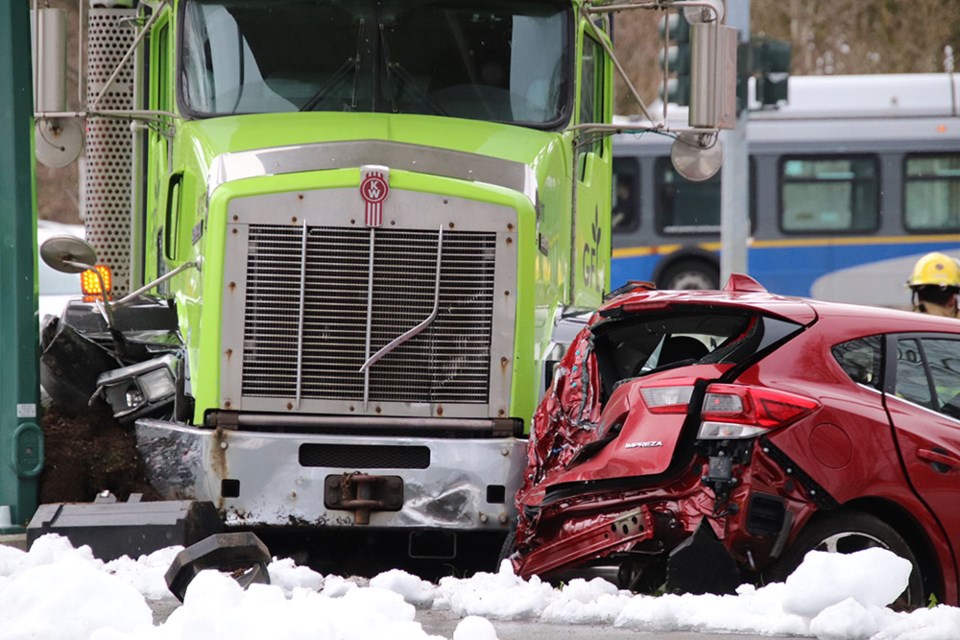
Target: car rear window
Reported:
[(860, 359), (637, 344)]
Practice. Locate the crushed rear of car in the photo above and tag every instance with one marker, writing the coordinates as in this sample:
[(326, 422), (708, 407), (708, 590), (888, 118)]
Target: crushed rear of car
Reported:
[(700, 439)]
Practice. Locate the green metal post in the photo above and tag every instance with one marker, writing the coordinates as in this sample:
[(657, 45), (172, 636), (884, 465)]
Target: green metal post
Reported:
[(21, 440)]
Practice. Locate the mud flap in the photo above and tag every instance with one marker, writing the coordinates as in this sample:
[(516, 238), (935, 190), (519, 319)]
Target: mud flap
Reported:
[(701, 564), (243, 555), (132, 529)]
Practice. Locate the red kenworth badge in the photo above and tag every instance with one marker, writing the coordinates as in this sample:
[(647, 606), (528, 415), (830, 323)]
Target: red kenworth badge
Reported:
[(374, 189)]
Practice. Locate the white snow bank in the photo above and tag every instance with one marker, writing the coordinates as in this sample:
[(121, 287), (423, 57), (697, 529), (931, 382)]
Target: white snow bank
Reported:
[(62, 593)]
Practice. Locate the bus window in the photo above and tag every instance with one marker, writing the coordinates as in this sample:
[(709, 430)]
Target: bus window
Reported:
[(932, 193), (684, 206), (832, 194), (626, 195)]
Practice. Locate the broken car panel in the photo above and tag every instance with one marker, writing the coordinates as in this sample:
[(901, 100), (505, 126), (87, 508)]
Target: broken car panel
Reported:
[(705, 438)]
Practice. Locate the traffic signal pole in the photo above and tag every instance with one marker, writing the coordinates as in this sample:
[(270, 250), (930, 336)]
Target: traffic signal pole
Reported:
[(21, 440), (734, 184)]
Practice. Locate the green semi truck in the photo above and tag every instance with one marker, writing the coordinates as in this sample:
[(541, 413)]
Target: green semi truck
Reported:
[(342, 235)]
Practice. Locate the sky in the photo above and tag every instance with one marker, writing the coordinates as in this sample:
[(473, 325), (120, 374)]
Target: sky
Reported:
[(57, 592)]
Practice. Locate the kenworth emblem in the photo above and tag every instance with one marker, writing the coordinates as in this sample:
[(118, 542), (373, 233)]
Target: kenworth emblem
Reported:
[(374, 189)]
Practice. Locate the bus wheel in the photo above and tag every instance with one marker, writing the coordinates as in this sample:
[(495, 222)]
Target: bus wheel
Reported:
[(690, 274)]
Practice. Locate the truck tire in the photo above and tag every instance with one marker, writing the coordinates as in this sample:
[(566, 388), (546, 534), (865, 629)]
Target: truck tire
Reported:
[(506, 550), (847, 533), (690, 274)]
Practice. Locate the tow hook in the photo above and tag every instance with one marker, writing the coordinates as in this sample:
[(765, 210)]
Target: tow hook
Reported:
[(363, 493)]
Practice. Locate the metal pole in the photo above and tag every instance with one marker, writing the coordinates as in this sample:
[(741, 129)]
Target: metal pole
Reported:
[(735, 187), (21, 440)]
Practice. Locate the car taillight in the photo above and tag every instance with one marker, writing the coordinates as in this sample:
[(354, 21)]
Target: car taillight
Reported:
[(667, 399), (736, 411)]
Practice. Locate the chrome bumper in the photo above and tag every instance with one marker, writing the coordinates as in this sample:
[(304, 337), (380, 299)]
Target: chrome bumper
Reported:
[(258, 479)]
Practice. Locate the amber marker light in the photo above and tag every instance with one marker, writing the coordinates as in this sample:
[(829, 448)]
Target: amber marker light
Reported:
[(90, 283)]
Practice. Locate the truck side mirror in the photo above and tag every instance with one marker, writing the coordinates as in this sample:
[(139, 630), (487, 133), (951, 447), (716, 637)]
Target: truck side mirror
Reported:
[(68, 254)]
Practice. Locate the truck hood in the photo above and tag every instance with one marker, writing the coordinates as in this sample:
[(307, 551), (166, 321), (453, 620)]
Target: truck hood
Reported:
[(453, 139)]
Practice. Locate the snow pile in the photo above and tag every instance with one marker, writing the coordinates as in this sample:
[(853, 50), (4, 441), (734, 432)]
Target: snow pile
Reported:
[(56, 592), (62, 593), (873, 577), (499, 595)]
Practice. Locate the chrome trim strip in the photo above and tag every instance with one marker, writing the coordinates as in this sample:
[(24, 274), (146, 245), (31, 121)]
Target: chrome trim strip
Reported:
[(303, 302), (366, 351), (399, 340), (461, 165)]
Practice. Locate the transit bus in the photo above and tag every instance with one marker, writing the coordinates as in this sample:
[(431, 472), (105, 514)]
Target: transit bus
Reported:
[(850, 184)]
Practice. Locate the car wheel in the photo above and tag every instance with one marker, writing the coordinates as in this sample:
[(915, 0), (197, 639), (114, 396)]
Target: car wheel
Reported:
[(690, 274), (848, 533), (506, 550)]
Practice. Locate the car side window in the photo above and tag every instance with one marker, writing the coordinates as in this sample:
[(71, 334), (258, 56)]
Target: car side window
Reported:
[(860, 359), (943, 362), (912, 383)]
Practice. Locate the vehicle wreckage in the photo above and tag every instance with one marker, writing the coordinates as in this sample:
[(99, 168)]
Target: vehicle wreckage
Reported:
[(700, 439)]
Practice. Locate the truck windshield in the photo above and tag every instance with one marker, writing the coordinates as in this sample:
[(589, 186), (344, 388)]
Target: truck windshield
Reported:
[(497, 60)]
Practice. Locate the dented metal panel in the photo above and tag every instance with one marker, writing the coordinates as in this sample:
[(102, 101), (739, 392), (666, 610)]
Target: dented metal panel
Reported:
[(276, 489)]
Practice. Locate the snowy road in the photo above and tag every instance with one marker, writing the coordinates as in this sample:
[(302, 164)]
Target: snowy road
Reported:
[(444, 623), (57, 592)]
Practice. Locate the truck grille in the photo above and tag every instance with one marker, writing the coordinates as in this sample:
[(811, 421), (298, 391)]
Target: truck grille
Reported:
[(448, 362)]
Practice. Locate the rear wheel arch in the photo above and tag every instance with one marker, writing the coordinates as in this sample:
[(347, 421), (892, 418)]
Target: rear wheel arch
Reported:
[(890, 523), (913, 532)]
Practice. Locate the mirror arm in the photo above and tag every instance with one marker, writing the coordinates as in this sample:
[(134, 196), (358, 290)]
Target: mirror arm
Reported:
[(150, 285)]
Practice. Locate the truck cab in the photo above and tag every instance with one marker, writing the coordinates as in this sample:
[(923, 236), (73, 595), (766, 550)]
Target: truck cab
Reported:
[(361, 221)]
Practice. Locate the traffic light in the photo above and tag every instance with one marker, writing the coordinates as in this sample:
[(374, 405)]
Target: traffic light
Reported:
[(675, 57), (767, 61), (771, 59)]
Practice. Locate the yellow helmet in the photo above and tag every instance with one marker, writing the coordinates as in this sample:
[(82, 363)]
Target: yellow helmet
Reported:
[(936, 269)]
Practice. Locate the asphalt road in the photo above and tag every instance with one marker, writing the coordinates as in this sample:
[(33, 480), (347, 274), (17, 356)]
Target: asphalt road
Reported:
[(443, 623)]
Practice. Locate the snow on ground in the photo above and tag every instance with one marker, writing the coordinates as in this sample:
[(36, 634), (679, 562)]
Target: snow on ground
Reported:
[(57, 592)]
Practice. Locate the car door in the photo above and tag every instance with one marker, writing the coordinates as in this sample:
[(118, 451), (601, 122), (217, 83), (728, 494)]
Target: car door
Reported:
[(923, 400)]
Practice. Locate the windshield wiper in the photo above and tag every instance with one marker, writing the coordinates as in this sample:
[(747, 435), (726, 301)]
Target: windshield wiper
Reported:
[(351, 66), (394, 69)]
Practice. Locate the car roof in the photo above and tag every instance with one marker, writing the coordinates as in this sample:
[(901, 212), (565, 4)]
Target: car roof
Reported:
[(884, 320), (745, 293), (740, 292)]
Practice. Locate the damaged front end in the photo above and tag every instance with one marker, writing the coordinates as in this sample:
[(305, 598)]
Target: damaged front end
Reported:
[(648, 455), (127, 353), (135, 366)]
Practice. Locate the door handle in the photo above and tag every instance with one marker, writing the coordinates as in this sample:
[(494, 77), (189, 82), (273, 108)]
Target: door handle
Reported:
[(942, 461)]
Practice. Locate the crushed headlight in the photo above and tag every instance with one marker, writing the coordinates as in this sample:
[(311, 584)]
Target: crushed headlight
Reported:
[(140, 388)]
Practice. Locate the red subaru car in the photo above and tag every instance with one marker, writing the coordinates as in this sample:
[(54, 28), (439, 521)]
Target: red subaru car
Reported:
[(699, 439)]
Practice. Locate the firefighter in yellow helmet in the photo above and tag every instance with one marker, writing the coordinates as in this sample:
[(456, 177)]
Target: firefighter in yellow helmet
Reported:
[(935, 282)]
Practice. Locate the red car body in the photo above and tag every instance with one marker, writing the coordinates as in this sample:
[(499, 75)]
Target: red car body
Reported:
[(802, 425)]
